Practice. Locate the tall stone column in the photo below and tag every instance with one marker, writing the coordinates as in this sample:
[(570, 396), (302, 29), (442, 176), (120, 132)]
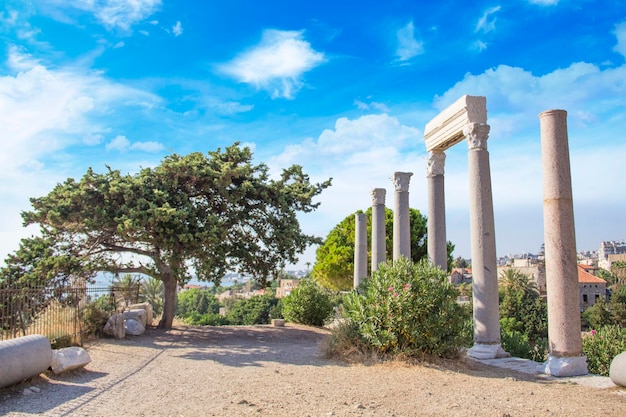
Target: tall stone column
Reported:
[(379, 235), (360, 248), (565, 357), (483, 247), (401, 222), (437, 245)]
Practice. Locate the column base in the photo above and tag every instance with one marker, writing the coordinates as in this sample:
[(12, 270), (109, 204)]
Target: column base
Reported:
[(566, 366), (487, 351)]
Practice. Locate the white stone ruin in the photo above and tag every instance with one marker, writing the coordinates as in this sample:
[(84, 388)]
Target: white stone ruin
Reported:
[(466, 118)]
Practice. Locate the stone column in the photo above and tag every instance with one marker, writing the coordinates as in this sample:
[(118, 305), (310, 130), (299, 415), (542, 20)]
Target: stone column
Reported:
[(379, 247), (483, 247), (565, 357), (401, 223), (437, 245), (360, 248)]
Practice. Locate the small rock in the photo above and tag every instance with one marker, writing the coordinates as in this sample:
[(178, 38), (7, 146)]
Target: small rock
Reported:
[(360, 407), (35, 389), (27, 392)]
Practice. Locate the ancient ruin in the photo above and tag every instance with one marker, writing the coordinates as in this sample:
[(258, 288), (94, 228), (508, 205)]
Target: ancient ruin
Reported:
[(467, 119), (565, 357)]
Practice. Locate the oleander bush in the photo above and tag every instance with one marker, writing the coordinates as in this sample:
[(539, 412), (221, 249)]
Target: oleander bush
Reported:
[(601, 346), (406, 309)]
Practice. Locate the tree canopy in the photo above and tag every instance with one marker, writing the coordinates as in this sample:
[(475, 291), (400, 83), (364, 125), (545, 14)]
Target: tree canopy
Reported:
[(195, 215), (334, 264)]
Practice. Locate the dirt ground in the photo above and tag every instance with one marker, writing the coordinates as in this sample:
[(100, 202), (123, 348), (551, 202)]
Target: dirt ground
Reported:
[(274, 371)]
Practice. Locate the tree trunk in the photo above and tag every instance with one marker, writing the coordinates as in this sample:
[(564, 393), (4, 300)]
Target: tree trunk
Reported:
[(169, 301)]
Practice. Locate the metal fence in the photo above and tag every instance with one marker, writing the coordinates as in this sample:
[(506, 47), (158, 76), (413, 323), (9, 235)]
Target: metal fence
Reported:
[(58, 313)]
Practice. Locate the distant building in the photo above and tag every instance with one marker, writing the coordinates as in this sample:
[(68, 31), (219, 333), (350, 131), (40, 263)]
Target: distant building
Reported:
[(609, 252), (590, 288), (531, 267), (285, 286), (460, 276)]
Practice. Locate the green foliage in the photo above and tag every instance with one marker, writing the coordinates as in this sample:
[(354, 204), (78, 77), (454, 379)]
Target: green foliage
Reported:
[(523, 316), (207, 319), (253, 310), (94, 318), (196, 301), (151, 291), (308, 304), (601, 346), (597, 315), (408, 309), (194, 215), (334, 263), (517, 343)]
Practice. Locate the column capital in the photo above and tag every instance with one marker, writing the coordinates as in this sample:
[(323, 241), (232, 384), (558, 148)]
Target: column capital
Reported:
[(378, 196), (477, 135), (435, 163), (401, 180)]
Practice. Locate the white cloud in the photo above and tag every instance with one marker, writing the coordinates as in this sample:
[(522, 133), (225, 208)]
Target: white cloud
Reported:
[(479, 46), (359, 154), (487, 21), (372, 105), (112, 14), (620, 34), (177, 29), (121, 143), (120, 44), (149, 146), (594, 99), (276, 64), (544, 2), (118, 143), (408, 46)]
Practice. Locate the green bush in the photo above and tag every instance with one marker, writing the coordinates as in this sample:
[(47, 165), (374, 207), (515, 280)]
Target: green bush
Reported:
[(207, 319), (516, 342), (96, 314), (308, 304), (601, 347), (198, 301), (253, 310), (409, 309)]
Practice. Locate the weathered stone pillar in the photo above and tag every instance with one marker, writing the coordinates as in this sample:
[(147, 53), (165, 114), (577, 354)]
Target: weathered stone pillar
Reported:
[(360, 248), (401, 222), (379, 249), (565, 357), (483, 247), (437, 244)]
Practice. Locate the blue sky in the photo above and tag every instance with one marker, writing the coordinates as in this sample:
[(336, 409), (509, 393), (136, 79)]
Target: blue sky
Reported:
[(342, 88)]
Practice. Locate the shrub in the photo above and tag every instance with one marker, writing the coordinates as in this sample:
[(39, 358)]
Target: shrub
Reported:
[(207, 319), (196, 300), (409, 309), (308, 304), (601, 347), (253, 310), (95, 315)]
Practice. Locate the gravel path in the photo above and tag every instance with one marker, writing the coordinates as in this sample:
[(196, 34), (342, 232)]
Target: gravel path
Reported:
[(273, 371)]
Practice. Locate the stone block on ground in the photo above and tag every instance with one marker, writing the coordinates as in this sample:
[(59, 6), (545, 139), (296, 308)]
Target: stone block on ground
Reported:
[(134, 327), (149, 311), (115, 327), (68, 359), (23, 358), (617, 372), (278, 322), (138, 314)]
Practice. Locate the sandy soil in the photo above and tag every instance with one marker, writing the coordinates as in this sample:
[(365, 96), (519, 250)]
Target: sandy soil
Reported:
[(273, 371)]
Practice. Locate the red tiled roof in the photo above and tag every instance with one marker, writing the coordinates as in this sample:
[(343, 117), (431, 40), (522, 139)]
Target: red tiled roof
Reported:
[(585, 277), (587, 267)]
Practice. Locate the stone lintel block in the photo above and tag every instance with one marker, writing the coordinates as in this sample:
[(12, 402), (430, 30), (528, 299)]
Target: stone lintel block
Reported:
[(446, 129), (278, 322), (617, 371)]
